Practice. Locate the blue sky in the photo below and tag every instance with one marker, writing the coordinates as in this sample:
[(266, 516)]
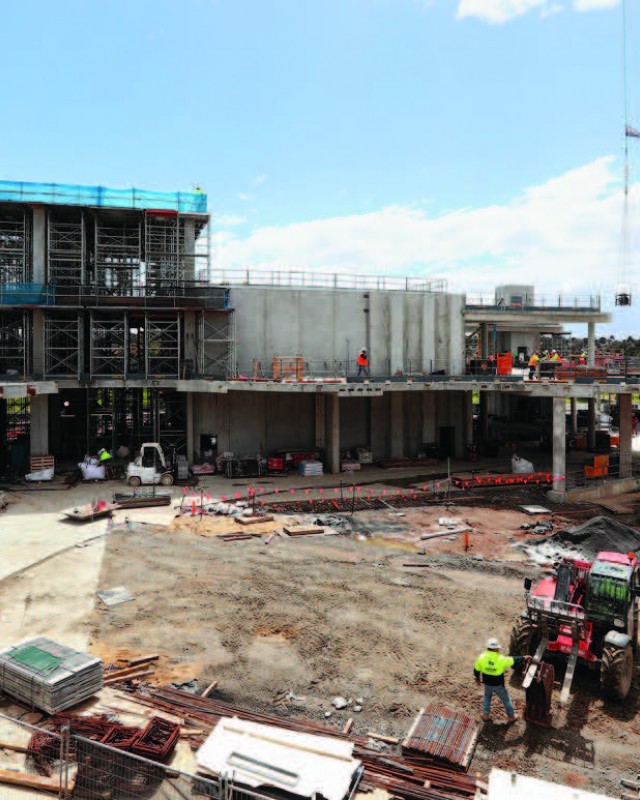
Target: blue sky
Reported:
[(479, 140)]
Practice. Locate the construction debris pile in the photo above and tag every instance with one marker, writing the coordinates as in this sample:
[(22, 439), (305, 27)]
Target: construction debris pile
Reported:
[(587, 540), (433, 770)]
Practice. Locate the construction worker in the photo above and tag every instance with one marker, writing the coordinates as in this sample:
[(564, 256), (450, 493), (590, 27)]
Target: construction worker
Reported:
[(490, 667), (582, 359), (555, 356), (363, 362), (533, 364), (105, 456)]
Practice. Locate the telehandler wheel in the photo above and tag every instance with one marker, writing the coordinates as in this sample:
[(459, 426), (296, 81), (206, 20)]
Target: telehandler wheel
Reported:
[(134, 480), (166, 479), (616, 671), (524, 638)]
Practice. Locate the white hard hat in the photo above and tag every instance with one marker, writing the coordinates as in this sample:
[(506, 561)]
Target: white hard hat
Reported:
[(493, 644)]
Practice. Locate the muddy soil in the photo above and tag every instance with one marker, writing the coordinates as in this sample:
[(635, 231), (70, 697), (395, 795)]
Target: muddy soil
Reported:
[(327, 616)]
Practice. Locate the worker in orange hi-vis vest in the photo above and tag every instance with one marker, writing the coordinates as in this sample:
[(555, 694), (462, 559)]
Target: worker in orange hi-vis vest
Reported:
[(363, 362)]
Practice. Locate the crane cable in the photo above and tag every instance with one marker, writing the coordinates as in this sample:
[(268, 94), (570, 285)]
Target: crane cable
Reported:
[(629, 132)]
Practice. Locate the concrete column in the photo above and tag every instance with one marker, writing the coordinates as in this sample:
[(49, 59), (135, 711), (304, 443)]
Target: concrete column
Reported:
[(428, 417), (484, 416), (188, 253), (190, 427), (37, 343), (39, 439), (468, 417), (320, 421), (574, 415), (484, 340), (624, 406), (189, 327), (39, 244), (591, 429), (396, 426), (332, 448), (591, 344), (559, 448)]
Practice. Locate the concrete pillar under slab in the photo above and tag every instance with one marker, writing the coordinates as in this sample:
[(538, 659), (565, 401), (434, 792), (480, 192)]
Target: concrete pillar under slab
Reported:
[(591, 344), (484, 340), (332, 448), (39, 245), (320, 421), (624, 405), (559, 448), (37, 343), (396, 446), (190, 427), (484, 416), (468, 417), (574, 415), (591, 424), (39, 439)]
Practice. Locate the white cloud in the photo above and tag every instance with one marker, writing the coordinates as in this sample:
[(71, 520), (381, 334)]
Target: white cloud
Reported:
[(261, 178), (246, 198), (561, 235), (228, 220), (593, 5), (500, 11)]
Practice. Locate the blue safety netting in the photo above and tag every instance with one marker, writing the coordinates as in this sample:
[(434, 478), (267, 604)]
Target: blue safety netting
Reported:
[(76, 195)]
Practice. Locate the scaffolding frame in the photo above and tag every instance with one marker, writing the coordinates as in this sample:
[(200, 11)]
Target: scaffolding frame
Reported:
[(164, 242), (162, 346), (216, 340), (171, 417), (66, 251), (15, 343), (63, 347), (119, 269), (15, 246), (109, 345)]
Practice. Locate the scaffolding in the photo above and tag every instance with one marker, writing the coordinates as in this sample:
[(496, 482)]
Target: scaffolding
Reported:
[(119, 269), (217, 351), (66, 251), (63, 346), (162, 346), (15, 343), (171, 416), (164, 266), (109, 344), (15, 262)]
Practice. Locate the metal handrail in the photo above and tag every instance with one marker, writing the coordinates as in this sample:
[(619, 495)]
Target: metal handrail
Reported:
[(303, 279), (558, 302)]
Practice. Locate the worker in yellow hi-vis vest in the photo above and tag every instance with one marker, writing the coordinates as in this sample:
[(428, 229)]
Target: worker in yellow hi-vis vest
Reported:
[(490, 667)]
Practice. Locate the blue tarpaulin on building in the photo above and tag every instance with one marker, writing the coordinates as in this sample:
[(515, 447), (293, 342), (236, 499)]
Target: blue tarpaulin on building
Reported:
[(76, 195)]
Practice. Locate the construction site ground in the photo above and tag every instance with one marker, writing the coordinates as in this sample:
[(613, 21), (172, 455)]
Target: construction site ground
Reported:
[(288, 625)]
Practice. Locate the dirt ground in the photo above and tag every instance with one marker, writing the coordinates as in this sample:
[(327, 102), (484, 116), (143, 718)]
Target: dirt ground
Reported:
[(319, 617)]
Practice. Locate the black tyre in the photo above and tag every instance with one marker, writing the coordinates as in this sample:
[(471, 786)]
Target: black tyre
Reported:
[(166, 479), (134, 480), (524, 638), (616, 671)]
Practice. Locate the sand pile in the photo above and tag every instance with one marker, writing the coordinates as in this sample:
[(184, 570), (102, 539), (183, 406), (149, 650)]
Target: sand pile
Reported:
[(588, 539)]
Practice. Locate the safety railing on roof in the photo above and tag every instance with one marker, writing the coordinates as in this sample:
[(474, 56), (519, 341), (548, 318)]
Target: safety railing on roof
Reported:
[(301, 279), (555, 302), (77, 195)]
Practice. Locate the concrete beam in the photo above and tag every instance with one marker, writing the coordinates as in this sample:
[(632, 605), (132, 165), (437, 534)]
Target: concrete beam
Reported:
[(535, 319), (332, 449), (626, 433)]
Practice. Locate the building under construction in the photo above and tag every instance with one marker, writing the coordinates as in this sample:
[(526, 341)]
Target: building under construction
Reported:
[(105, 304), (115, 330)]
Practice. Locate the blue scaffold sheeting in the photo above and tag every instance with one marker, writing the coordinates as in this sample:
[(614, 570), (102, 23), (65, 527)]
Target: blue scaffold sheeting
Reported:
[(75, 195)]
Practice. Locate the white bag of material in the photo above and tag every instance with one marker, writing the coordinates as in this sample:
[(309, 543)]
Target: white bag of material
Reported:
[(521, 466), (92, 472), (40, 475)]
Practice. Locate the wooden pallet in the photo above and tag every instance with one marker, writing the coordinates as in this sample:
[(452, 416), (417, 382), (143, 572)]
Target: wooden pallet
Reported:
[(42, 462)]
